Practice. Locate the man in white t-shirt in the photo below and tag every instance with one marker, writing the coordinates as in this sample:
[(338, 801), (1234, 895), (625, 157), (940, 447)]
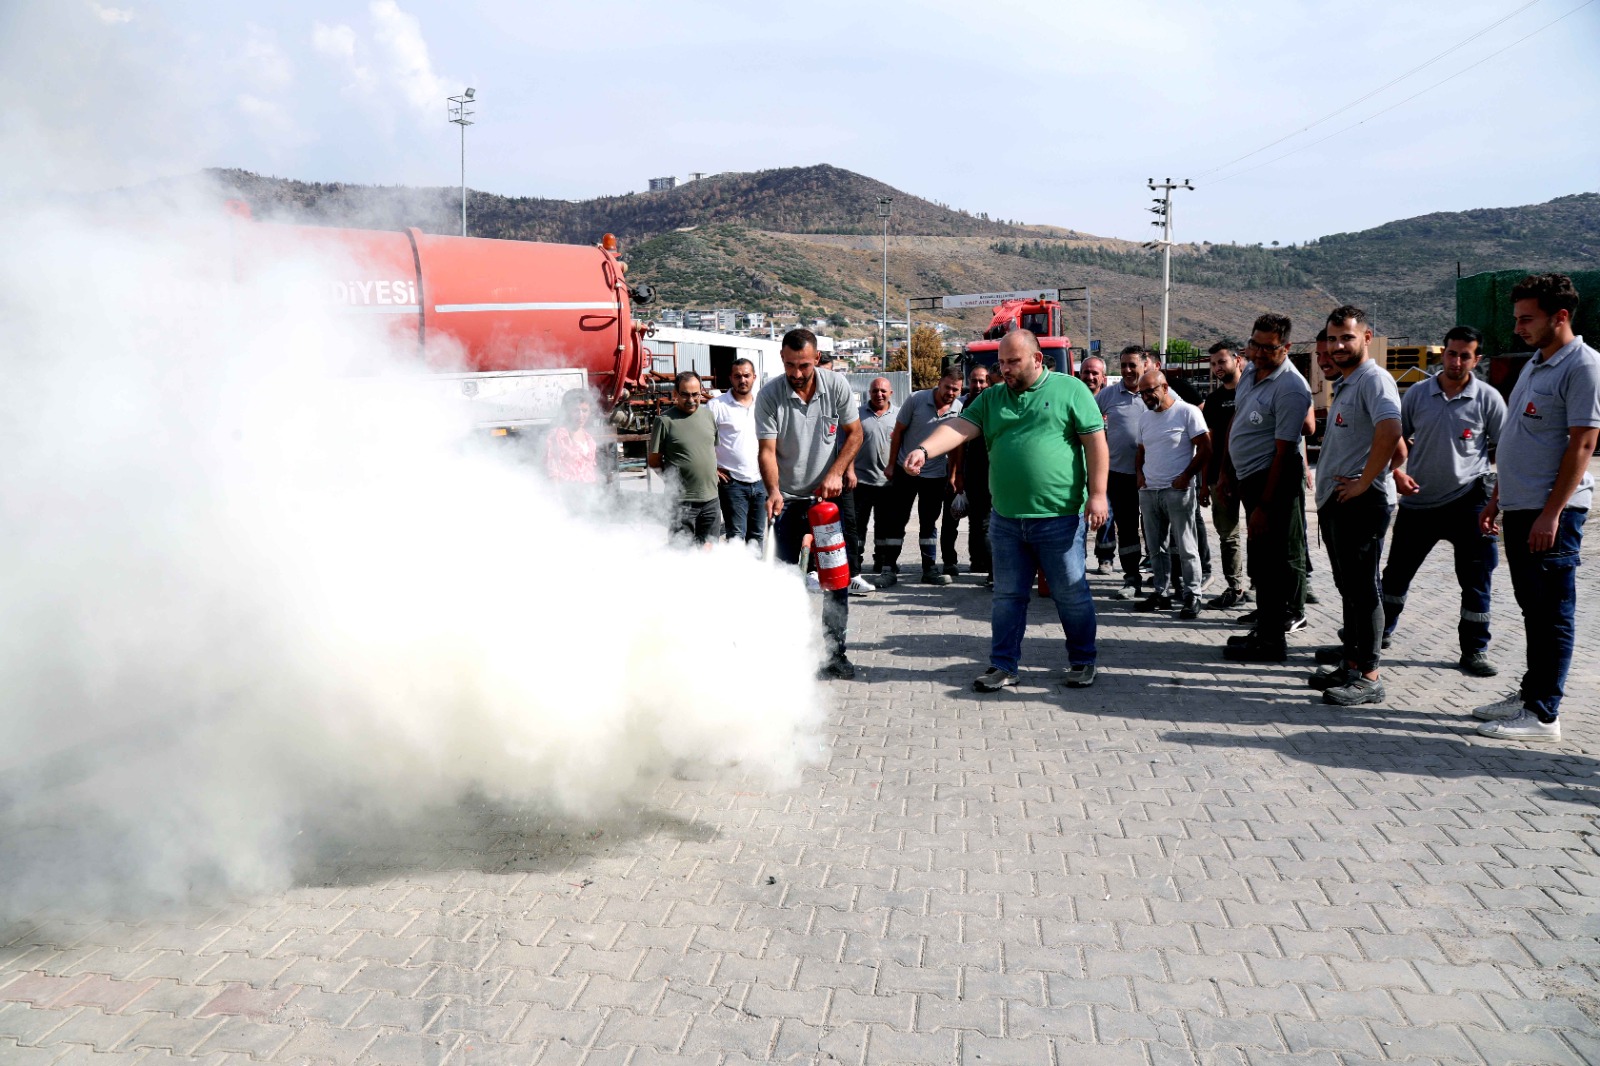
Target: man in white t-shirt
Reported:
[(739, 487), (1174, 451)]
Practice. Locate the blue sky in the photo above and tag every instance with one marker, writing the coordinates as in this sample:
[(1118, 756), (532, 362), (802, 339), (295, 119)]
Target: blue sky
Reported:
[(1042, 112)]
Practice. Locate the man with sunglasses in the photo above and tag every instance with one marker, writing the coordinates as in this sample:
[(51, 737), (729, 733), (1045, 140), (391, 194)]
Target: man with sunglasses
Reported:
[(1263, 466)]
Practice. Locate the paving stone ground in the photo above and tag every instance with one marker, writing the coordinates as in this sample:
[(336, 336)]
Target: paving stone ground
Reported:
[(1191, 862)]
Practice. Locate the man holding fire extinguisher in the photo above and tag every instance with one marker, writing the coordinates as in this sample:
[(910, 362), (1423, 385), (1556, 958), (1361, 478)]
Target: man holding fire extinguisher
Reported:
[(809, 432)]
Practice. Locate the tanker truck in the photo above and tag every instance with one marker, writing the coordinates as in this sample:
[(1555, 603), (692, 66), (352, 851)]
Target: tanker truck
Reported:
[(510, 326)]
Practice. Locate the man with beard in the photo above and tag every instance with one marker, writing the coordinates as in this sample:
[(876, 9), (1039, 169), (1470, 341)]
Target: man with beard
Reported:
[(1543, 494), (799, 418), (1121, 407), (1092, 372), (1047, 441), (739, 485), (970, 469), (1264, 468), (1355, 503), (1452, 422), (683, 446), (1218, 410)]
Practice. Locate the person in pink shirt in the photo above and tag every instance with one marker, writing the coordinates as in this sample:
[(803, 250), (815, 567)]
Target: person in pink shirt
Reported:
[(569, 448)]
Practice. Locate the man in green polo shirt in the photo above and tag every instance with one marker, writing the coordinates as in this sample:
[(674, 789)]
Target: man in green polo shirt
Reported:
[(1047, 461)]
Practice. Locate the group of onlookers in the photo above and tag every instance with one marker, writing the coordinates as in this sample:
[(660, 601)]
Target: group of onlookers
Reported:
[(1042, 463)]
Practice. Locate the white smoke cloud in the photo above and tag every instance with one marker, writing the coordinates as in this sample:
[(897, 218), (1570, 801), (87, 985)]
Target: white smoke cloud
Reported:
[(393, 62), (257, 583)]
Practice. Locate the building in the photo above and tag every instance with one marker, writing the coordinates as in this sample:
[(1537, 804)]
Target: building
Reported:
[(727, 320), (755, 320), (712, 354), (662, 184), (670, 318)]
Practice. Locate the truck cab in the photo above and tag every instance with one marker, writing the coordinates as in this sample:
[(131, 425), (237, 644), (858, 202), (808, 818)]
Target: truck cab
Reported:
[(1042, 318)]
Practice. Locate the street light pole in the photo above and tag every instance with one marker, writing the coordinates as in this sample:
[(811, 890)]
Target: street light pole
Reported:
[(461, 116), (1163, 209), (884, 206)]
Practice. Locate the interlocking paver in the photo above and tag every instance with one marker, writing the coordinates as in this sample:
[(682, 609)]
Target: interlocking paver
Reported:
[(1195, 863)]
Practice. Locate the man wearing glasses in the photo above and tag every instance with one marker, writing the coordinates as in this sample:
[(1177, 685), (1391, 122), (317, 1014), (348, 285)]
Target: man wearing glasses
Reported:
[(1263, 466)]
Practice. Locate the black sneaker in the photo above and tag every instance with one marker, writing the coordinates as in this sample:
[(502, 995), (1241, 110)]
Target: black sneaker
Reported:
[(1311, 597), (952, 571), (1241, 639), (1255, 652), (1331, 654), (886, 577), (1357, 691), (838, 668), (1477, 664), (1191, 607), (1159, 601), (1295, 625), (1227, 601), (931, 576), (1080, 676), (993, 680), (1248, 618)]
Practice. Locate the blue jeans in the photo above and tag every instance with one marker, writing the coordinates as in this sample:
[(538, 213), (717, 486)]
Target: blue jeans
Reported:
[(1416, 531), (744, 510), (1546, 584), (1021, 546)]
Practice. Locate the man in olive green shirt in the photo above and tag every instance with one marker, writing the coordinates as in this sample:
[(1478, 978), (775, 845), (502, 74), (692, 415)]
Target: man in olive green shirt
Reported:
[(683, 445), (1047, 464)]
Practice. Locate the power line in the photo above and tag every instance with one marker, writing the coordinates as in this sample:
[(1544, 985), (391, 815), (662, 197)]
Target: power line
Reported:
[(1386, 85), (1398, 103)]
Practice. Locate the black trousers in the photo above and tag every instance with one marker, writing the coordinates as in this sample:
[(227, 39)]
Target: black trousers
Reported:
[(872, 500), (1273, 554), (979, 505), (928, 495), (1354, 533), (790, 529), (1123, 492)]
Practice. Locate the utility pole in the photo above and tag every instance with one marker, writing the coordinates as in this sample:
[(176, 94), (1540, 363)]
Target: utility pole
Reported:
[(1163, 211), (884, 206), (461, 116)]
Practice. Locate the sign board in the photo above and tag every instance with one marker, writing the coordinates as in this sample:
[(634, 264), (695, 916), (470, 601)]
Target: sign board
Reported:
[(989, 299)]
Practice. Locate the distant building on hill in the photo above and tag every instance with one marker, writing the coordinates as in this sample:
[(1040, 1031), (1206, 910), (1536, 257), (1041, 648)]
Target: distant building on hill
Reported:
[(663, 184)]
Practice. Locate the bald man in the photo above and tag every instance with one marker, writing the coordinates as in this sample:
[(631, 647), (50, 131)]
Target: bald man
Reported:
[(1170, 468), (873, 474), (1047, 477)]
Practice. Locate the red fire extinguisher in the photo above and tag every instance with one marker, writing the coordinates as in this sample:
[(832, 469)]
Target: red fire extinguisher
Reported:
[(827, 539)]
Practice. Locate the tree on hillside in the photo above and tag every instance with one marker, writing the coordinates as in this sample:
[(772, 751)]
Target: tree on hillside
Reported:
[(927, 356)]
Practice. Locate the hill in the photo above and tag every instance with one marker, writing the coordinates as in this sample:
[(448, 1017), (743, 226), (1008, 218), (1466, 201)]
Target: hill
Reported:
[(817, 199), (808, 238)]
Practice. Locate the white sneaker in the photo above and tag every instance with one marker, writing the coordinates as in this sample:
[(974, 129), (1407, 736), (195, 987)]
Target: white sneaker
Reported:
[(813, 582), (1525, 726), (860, 586), (1508, 706), (1126, 592)]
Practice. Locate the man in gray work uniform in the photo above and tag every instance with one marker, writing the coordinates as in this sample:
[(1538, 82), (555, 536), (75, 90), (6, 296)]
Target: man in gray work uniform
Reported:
[(872, 473), (809, 433), (1355, 502), (1451, 422), (1544, 492)]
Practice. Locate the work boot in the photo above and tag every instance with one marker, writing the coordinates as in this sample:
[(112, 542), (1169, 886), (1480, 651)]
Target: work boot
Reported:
[(931, 575), (887, 576), (951, 571), (1477, 664)]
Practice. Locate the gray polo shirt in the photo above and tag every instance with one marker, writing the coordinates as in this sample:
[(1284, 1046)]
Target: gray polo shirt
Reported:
[(1122, 410), (1450, 438), (877, 431), (1265, 412), (806, 432), (920, 416), (1551, 396), (1364, 397)]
